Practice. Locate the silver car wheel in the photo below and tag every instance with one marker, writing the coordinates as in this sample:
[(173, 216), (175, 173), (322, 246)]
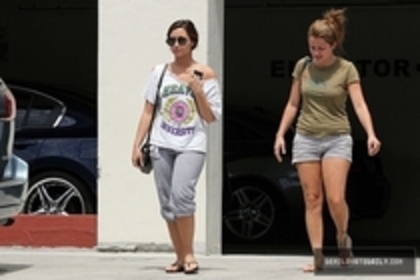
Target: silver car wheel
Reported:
[(54, 196)]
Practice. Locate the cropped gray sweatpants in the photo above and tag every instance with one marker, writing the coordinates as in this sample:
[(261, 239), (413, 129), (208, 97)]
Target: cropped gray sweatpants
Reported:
[(176, 175)]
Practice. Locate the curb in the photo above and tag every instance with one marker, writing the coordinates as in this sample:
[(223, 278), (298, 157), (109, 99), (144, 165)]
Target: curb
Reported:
[(51, 231)]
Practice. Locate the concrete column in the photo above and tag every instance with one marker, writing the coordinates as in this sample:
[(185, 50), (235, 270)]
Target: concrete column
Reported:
[(131, 42), (214, 157)]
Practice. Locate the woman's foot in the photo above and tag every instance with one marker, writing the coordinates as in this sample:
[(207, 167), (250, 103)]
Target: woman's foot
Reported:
[(190, 266), (175, 267), (318, 263), (310, 267), (345, 252)]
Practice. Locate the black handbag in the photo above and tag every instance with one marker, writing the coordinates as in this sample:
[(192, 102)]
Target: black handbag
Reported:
[(147, 167)]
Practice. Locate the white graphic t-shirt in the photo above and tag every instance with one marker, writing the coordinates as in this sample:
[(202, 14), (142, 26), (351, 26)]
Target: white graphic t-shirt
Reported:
[(177, 124)]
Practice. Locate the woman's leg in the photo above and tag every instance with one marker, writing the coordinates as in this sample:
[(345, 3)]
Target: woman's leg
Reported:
[(311, 180), (178, 247), (186, 228), (187, 169), (335, 168), (163, 162), (334, 171)]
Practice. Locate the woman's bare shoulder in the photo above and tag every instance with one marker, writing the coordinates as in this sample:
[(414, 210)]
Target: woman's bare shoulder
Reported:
[(208, 72)]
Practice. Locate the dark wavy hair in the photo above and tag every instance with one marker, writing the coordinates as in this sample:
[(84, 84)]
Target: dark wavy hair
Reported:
[(188, 26)]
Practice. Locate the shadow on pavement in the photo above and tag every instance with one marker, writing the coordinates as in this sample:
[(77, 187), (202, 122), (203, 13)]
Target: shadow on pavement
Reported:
[(9, 268)]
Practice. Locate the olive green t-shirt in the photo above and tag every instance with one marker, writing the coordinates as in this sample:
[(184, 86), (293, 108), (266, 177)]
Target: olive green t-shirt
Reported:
[(324, 96)]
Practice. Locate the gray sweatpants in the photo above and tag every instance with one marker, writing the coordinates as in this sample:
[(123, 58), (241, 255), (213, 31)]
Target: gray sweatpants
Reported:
[(176, 175)]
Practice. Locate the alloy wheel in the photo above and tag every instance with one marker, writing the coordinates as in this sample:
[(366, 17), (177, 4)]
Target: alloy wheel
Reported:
[(54, 196), (251, 214)]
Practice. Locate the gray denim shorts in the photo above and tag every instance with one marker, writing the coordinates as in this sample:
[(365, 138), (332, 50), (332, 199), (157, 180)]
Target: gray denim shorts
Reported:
[(309, 148)]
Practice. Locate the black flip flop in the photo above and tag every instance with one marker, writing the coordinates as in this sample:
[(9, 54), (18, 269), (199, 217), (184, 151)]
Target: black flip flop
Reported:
[(194, 270), (174, 268)]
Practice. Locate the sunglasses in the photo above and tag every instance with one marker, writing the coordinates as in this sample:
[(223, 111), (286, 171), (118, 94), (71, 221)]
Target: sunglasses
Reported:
[(172, 40)]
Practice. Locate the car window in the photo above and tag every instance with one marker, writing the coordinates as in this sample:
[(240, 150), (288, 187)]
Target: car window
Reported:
[(36, 110), (67, 121)]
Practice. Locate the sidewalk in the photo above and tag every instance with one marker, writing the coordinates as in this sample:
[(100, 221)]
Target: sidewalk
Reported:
[(87, 264)]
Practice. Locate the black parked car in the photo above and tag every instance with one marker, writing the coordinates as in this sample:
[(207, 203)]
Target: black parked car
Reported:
[(263, 199), (13, 170), (56, 133)]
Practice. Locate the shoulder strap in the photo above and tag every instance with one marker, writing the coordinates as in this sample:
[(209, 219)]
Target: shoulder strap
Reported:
[(305, 64), (159, 84)]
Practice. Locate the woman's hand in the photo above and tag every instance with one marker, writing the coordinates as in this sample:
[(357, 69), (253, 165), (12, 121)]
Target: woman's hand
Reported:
[(373, 145), (137, 157), (194, 83), (279, 148)]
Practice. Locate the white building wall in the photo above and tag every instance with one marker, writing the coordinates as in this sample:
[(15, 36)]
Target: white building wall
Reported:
[(131, 42)]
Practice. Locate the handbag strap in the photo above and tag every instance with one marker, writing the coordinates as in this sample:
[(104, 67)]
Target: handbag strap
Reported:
[(156, 102)]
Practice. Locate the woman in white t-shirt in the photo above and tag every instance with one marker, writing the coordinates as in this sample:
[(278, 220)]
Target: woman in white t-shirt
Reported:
[(188, 99)]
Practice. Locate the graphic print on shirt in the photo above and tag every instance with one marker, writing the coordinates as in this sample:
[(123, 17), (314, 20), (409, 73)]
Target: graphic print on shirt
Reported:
[(317, 82), (179, 110)]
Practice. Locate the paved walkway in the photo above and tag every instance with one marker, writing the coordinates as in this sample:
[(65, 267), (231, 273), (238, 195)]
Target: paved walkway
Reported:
[(65, 264)]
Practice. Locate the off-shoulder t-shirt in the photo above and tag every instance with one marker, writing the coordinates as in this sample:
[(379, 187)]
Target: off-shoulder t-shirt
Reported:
[(177, 124)]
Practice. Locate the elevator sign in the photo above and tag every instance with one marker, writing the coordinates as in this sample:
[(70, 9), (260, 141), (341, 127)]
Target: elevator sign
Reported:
[(382, 68)]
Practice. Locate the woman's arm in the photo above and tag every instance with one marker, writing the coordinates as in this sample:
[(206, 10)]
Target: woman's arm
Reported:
[(289, 115), (142, 129), (144, 123), (361, 108), (291, 108), (203, 105), (363, 114)]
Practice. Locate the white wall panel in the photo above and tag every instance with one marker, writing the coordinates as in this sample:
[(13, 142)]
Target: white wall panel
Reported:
[(131, 42)]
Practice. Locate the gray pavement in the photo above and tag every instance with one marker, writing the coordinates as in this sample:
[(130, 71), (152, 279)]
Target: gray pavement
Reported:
[(68, 263)]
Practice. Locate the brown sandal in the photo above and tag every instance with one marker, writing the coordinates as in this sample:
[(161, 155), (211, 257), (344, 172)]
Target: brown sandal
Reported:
[(345, 252), (318, 263), (174, 268), (191, 267)]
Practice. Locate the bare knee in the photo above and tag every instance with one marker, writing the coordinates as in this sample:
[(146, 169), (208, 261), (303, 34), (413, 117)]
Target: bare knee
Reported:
[(335, 202), (313, 201)]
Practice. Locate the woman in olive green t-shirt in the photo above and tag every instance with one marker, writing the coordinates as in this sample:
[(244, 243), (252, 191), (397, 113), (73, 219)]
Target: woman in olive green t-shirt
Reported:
[(322, 147)]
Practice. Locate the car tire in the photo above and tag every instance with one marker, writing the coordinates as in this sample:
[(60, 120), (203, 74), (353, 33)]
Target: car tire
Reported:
[(255, 213), (57, 193)]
